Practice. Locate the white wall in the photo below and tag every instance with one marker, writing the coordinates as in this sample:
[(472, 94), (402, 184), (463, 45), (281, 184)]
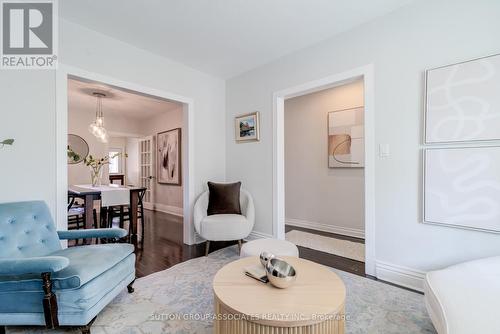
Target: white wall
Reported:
[(401, 46), (329, 199), (27, 105), (167, 197), (28, 170)]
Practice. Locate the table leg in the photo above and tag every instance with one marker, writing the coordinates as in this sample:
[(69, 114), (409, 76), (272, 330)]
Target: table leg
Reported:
[(89, 207), (89, 216), (134, 205)]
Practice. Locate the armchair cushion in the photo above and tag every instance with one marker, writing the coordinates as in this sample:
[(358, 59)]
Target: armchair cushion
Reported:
[(225, 227), (79, 271), (224, 198), (85, 279), (32, 265), (76, 306)]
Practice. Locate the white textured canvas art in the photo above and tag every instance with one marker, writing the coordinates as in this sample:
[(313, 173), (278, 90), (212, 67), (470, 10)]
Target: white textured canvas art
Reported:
[(463, 101), (462, 187), (346, 138)]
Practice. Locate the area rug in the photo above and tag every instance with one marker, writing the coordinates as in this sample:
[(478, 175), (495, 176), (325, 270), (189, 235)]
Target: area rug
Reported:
[(340, 247), (179, 300)]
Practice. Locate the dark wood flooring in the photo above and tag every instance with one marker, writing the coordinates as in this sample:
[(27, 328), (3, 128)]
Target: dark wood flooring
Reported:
[(338, 262), (163, 245), (327, 259)]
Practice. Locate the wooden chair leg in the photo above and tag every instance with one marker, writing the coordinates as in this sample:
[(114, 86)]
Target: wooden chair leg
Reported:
[(129, 239), (130, 287), (142, 231), (80, 220), (80, 223), (122, 216), (49, 303), (110, 218), (142, 224), (103, 217), (86, 329), (207, 247), (239, 245)]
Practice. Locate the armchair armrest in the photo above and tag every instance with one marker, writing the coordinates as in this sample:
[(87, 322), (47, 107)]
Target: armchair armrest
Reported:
[(92, 233), (33, 265), (200, 210)]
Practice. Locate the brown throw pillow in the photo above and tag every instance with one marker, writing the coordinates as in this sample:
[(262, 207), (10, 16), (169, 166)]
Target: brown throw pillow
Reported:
[(224, 198)]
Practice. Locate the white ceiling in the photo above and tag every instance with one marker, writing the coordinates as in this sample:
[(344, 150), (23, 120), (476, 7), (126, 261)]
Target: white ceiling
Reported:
[(224, 37), (118, 102)]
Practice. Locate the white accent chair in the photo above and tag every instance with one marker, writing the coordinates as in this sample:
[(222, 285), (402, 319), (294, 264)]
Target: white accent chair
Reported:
[(464, 298), (225, 227)]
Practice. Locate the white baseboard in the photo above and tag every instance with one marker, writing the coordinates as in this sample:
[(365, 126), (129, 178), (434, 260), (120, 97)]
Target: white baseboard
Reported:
[(173, 210), (403, 276), (352, 232), (258, 235)]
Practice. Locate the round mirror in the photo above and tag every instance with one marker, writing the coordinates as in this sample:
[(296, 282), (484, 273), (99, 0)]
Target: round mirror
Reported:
[(78, 149)]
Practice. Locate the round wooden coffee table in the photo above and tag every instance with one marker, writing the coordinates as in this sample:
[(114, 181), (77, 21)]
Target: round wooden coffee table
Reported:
[(313, 304)]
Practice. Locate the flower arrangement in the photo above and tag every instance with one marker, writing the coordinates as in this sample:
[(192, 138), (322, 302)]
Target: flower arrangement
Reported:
[(75, 157), (96, 165), (6, 142)]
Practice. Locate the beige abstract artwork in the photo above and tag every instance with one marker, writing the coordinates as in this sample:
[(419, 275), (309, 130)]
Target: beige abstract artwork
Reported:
[(346, 138)]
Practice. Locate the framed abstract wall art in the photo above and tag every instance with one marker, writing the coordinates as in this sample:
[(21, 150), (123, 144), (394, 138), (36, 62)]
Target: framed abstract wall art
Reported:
[(169, 157), (247, 127), (346, 138), (463, 101), (462, 187)]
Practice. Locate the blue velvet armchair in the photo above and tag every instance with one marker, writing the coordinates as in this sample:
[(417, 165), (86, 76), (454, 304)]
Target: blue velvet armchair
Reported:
[(43, 284)]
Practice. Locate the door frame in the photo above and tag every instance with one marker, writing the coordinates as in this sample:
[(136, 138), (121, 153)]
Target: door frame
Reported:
[(62, 74), (367, 73)]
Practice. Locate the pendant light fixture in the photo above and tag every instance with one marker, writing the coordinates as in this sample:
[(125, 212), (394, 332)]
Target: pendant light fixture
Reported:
[(97, 127)]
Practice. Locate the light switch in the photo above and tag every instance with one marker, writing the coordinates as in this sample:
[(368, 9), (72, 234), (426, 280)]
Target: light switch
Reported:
[(384, 150)]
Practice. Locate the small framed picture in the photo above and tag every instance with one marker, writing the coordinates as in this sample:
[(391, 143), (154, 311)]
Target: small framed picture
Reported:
[(247, 127)]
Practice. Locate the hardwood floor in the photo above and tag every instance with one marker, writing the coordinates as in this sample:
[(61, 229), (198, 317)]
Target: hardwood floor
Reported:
[(327, 259), (163, 245), (338, 262)]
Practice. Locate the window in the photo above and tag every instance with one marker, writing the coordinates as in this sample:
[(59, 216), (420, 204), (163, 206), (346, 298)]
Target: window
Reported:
[(115, 164)]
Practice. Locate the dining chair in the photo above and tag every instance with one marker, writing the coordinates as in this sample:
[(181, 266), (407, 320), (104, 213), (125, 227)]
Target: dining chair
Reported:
[(123, 213), (117, 177), (76, 214)]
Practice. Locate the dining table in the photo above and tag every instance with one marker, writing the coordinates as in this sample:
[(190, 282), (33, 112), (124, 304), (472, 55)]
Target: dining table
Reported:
[(90, 194)]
